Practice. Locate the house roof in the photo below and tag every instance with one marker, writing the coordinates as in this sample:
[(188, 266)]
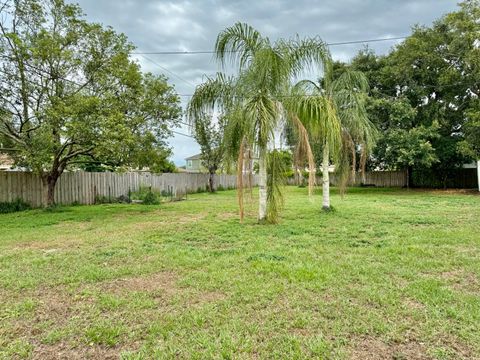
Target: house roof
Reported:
[(6, 160), (194, 157)]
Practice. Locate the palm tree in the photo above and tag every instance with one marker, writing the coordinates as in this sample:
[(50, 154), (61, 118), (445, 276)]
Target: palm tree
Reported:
[(253, 101), (337, 101)]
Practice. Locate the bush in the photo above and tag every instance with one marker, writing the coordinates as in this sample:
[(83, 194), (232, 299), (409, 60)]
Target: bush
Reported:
[(151, 199), (146, 195), (123, 199), (14, 206)]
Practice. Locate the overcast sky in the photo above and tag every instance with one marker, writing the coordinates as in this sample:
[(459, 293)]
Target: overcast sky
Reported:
[(157, 25)]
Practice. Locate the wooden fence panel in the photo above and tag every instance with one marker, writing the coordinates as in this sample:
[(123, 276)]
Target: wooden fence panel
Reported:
[(376, 178), (83, 187)]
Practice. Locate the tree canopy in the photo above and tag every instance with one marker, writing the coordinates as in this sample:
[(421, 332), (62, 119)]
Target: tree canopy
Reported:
[(70, 93), (424, 95)]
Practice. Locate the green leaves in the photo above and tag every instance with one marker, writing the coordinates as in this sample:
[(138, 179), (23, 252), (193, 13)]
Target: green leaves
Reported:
[(254, 102), (75, 96)]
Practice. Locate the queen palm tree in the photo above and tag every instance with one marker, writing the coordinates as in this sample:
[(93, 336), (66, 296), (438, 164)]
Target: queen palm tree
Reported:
[(337, 101), (253, 101)]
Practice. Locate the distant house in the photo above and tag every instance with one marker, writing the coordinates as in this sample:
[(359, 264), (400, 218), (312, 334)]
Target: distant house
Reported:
[(6, 162), (194, 164)]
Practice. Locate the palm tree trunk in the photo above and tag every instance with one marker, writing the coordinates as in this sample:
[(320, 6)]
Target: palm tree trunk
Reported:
[(326, 179), (262, 186)]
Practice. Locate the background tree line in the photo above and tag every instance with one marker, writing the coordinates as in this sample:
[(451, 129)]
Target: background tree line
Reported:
[(424, 98)]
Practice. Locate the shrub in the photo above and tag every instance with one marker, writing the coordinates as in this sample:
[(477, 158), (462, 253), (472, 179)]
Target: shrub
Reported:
[(14, 206), (201, 189), (123, 199), (151, 198), (166, 193), (146, 195)]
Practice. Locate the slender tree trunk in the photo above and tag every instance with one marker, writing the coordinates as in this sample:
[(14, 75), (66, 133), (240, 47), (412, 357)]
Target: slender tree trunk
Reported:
[(364, 177), (262, 186), (409, 176), (211, 182), (326, 179), (478, 174)]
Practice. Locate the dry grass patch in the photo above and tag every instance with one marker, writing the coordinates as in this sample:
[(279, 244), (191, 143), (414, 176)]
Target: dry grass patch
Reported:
[(371, 348), (66, 351), (163, 282)]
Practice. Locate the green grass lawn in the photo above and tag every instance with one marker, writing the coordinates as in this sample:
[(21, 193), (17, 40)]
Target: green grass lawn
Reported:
[(390, 274)]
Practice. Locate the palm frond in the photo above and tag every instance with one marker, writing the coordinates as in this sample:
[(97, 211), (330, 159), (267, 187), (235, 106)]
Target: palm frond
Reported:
[(240, 185), (218, 92), (304, 151), (239, 44), (275, 181), (305, 54)]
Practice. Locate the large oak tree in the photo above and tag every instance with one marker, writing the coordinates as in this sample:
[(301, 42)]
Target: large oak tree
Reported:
[(70, 93)]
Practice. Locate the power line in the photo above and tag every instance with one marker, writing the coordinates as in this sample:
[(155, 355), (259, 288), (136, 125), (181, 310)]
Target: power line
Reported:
[(165, 69), (196, 52), (179, 133), (433, 87)]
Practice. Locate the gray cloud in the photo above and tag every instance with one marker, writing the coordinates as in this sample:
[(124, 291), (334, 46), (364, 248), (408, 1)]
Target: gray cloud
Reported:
[(157, 25)]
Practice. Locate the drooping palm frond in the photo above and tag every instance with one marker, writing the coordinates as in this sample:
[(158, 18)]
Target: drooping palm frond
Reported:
[(343, 168), (305, 54), (239, 44), (240, 183), (304, 151), (219, 92), (318, 114), (262, 112), (349, 92), (351, 80), (275, 181)]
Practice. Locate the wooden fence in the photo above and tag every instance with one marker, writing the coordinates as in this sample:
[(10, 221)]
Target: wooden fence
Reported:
[(376, 178), (84, 187)]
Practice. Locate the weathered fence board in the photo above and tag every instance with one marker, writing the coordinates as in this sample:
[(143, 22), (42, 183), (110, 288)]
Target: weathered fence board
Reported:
[(377, 178), (83, 187)]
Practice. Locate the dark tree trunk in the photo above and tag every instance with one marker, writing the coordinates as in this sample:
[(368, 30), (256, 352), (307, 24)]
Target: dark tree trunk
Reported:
[(49, 182), (409, 171), (211, 182)]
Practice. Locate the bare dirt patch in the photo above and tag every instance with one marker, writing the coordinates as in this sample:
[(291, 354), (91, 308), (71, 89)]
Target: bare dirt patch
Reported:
[(162, 282), (461, 280), (370, 348), (412, 304), (228, 216), (203, 298), (64, 351)]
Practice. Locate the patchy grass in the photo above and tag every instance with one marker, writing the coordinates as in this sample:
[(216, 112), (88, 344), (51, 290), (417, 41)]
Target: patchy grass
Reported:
[(390, 274)]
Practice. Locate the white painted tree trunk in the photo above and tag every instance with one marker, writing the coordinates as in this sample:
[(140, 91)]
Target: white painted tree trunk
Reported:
[(478, 174), (325, 179), (262, 186)]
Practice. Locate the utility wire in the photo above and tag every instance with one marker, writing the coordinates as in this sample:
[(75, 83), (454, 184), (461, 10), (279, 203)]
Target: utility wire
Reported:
[(434, 87), (165, 69), (212, 52), (179, 133)]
